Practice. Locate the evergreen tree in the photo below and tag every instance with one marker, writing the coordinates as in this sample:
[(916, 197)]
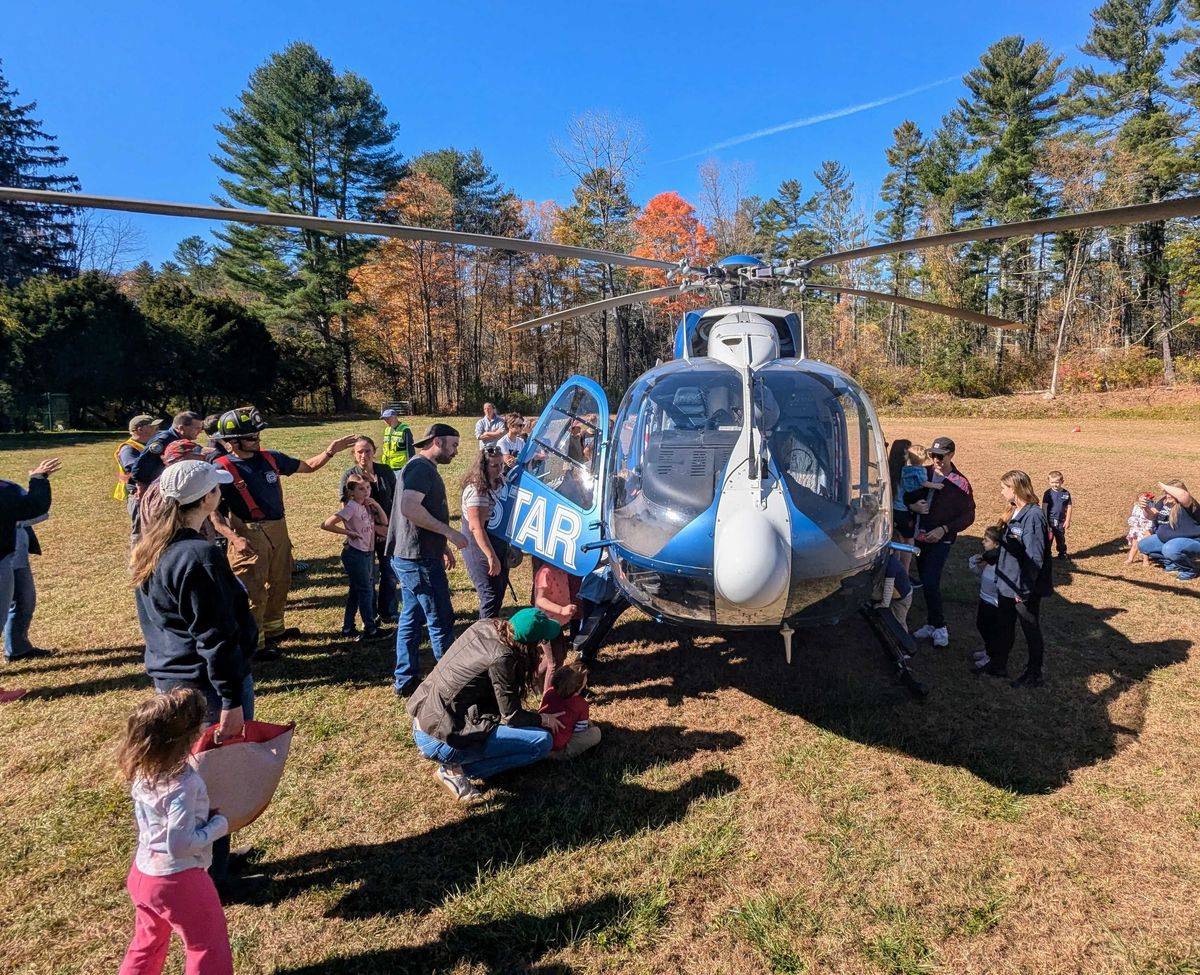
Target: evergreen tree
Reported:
[(305, 140), (34, 238), (1011, 112), (901, 191), (194, 259), (1133, 98), (784, 225)]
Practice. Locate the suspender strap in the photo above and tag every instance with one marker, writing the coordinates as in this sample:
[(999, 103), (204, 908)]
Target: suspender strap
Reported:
[(225, 462)]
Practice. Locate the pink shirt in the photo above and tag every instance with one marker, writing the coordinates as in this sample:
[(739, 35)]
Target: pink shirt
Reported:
[(558, 587), (360, 524)]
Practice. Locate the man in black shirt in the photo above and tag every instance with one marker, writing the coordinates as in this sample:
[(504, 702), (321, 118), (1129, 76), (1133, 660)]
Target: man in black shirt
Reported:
[(416, 544)]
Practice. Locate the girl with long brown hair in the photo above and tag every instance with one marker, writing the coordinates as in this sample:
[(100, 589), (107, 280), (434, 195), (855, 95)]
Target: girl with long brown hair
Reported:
[(486, 554), (168, 881), (1022, 579), (194, 614)]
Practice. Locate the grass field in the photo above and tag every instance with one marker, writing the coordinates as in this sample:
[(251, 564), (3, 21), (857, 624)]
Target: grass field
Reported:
[(741, 815)]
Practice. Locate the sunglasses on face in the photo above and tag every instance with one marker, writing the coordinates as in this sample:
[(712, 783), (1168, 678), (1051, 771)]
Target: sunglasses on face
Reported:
[(937, 456)]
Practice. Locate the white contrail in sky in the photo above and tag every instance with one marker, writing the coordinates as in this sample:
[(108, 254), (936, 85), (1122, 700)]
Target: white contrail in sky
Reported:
[(814, 119)]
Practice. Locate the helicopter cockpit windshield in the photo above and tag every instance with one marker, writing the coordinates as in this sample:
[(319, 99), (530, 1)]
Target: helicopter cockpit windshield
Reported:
[(674, 435)]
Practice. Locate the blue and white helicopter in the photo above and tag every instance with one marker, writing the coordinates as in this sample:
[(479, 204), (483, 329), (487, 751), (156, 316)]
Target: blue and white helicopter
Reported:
[(741, 484)]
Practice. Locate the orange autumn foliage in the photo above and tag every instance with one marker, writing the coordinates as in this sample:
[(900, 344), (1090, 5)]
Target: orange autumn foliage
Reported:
[(667, 229)]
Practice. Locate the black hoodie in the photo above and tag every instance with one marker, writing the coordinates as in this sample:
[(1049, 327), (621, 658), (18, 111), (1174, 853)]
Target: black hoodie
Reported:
[(196, 620)]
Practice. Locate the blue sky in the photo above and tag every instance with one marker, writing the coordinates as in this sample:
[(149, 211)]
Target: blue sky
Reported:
[(132, 90)]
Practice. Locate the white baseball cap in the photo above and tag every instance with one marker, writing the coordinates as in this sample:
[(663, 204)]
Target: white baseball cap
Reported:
[(190, 480)]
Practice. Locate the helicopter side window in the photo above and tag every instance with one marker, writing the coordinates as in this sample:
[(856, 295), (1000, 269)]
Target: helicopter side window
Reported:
[(563, 453)]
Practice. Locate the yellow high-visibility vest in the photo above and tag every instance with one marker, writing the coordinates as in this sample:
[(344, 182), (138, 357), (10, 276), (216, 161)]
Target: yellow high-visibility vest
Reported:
[(394, 455), (121, 491)]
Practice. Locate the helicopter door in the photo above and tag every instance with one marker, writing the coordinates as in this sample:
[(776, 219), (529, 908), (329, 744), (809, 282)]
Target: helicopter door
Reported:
[(552, 503)]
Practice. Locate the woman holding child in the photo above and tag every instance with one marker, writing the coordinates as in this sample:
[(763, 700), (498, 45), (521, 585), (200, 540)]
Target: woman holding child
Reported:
[(1177, 542), (468, 714), (944, 506)]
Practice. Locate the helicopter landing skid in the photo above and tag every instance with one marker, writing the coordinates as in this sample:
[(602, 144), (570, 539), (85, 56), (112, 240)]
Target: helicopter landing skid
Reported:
[(898, 644)]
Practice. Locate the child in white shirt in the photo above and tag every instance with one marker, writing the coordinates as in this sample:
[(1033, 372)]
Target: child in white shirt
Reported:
[(168, 881)]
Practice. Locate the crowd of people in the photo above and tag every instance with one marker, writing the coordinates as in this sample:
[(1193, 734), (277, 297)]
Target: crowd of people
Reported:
[(211, 566)]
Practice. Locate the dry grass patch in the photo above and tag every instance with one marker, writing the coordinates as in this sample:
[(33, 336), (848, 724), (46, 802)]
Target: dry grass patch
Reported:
[(740, 815)]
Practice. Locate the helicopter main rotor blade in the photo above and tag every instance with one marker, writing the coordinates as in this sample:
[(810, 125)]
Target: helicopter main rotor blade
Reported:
[(327, 225), (605, 304), (1187, 206), (966, 315)]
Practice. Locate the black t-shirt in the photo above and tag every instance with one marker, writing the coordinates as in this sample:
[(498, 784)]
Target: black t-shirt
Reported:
[(261, 481), (1056, 503), (406, 540)]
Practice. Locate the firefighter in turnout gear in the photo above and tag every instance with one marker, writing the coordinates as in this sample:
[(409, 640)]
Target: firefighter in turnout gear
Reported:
[(397, 441), (260, 552)]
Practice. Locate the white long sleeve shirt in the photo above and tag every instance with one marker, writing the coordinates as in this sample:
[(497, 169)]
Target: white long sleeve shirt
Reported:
[(175, 831)]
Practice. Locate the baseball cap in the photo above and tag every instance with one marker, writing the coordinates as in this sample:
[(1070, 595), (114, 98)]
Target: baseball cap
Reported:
[(435, 430), (190, 480), (180, 449), (533, 626), (387, 413), (143, 420), (942, 445)]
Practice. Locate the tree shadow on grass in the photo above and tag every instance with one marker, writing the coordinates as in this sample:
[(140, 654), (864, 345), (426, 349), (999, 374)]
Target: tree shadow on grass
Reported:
[(513, 943), (1094, 701), (552, 808)]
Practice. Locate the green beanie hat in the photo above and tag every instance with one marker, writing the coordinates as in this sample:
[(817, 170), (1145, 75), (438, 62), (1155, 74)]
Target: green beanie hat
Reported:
[(533, 626)]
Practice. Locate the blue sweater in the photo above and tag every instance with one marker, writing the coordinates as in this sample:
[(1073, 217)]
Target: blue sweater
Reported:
[(1024, 565), (196, 620), (19, 505)]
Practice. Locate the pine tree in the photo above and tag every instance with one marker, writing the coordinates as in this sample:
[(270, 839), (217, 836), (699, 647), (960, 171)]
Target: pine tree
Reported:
[(34, 239), (305, 140), (1011, 113), (901, 191), (1133, 99)]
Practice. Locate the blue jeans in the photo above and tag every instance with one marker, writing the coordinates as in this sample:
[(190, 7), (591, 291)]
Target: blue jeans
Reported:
[(503, 749), (1176, 555), (426, 594), (387, 603), (162, 685), (931, 560), (360, 570), (20, 614), (7, 587), (490, 588)]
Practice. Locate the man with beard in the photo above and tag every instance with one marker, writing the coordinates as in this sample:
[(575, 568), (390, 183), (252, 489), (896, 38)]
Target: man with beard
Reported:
[(260, 552), (416, 544)]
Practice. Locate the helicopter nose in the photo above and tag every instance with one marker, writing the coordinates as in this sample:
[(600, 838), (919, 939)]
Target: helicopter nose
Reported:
[(751, 564)]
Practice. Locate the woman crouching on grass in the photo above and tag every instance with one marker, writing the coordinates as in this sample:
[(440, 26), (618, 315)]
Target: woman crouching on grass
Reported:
[(1022, 579), (168, 881), (468, 715)]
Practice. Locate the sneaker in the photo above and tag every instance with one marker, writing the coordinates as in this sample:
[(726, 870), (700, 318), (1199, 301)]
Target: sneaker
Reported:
[(924, 633), (915, 582), (982, 659), (299, 567), (1185, 576), (457, 784), (351, 634), (1028, 680), (379, 633), (941, 637), (990, 670), (36, 653)]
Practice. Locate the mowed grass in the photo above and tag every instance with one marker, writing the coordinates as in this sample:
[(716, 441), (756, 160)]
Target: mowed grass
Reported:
[(741, 815)]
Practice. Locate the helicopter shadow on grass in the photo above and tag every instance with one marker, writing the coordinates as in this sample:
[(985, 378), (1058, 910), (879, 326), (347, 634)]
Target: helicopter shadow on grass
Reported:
[(513, 943), (1093, 703), (537, 812)]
